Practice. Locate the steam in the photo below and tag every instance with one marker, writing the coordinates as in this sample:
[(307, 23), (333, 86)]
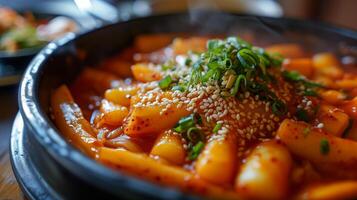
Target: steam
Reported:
[(258, 30)]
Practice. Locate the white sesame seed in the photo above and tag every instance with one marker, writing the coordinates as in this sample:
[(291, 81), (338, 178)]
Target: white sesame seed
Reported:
[(320, 125), (309, 103)]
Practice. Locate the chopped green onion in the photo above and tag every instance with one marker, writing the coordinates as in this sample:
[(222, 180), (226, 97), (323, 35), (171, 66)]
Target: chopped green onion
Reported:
[(212, 44), (231, 80), (247, 58), (188, 61), (217, 127), (165, 83), (185, 123), (308, 85), (306, 131), (324, 147), (178, 88), (311, 93), (166, 67), (194, 134), (279, 108), (187, 127), (302, 115), (198, 119), (196, 150), (292, 75), (312, 84), (237, 84), (275, 58)]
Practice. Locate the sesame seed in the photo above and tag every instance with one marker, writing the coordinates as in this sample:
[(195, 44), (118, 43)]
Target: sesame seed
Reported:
[(309, 103)]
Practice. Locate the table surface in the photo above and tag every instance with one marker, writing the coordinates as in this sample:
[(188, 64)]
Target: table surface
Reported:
[(9, 189)]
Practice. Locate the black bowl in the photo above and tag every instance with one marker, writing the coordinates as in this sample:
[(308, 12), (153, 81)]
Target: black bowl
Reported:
[(72, 174)]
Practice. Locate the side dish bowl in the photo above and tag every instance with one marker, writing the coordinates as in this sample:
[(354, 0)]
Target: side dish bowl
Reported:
[(74, 175)]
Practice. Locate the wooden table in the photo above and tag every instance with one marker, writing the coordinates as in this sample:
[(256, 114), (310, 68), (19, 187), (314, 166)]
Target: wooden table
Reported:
[(9, 189)]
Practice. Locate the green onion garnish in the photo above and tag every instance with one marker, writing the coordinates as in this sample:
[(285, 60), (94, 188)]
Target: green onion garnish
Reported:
[(193, 135), (217, 127), (165, 82), (185, 123), (324, 146), (242, 64), (302, 115), (309, 92), (248, 58), (306, 131), (188, 61), (292, 75), (310, 87), (279, 108), (237, 84), (196, 150), (178, 88)]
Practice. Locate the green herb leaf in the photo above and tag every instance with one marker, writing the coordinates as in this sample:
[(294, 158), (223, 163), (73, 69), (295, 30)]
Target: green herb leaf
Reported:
[(165, 83), (298, 78), (166, 67), (217, 127), (306, 131), (188, 61), (237, 84), (292, 75), (249, 64), (188, 122), (185, 123), (279, 108), (247, 58), (194, 134), (212, 44), (324, 146), (309, 92), (312, 84), (196, 150), (178, 87)]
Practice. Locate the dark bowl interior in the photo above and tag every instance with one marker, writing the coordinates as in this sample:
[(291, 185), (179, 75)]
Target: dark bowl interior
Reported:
[(59, 63)]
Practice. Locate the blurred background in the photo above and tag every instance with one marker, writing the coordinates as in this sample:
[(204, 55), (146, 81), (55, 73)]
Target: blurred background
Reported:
[(340, 12)]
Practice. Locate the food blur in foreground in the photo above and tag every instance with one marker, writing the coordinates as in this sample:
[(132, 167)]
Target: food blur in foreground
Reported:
[(219, 118), (20, 32)]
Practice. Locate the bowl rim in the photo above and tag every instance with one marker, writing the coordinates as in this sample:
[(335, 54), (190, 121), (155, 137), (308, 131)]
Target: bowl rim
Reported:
[(39, 124)]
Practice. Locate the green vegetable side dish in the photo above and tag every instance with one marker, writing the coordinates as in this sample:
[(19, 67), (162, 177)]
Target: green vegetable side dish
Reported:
[(20, 31), (22, 37)]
